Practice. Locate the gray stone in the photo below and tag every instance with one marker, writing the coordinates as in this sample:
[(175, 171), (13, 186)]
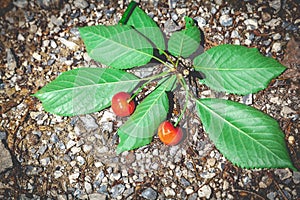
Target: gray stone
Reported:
[(88, 187), (56, 21), (3, 135), (170, 26), (149, 193), (296, 177), (5, 158), (169, 192), (248, 99), (266, 16), (276, 47), (89, 122), (251, 24), (97, 196), (184, 182), (226, 20), (204, 191), (69, 44), (82, 4), (283, 173), (117, 190), (193, 196), (42, 149), (57, 174), (276, 4), (11, 61), (271, 195), (235, 34), (21, 3), (201, 21), (45, 161)]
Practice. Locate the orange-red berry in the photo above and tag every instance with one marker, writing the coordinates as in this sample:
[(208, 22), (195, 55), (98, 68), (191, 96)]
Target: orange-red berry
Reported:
[(121, 106), (168, 134)]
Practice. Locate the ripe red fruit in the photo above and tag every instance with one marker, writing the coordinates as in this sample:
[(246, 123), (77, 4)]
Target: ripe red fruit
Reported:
[(168, 134), (121, 106)]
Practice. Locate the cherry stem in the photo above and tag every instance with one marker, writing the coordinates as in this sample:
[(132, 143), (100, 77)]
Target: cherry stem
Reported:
[(146, 83), (163, 62), (184, 85)]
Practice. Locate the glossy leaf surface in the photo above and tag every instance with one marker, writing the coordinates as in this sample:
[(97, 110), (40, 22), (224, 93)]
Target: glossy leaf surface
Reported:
[(84, 90), (244, 135), (185, 42), (118, 46), (236, 69), (137, 18)]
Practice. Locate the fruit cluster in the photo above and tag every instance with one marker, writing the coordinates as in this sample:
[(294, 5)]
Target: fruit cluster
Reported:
[(122, 105)]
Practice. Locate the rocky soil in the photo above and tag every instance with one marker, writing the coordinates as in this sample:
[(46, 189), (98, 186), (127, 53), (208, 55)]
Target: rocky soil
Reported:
[(44, 156)]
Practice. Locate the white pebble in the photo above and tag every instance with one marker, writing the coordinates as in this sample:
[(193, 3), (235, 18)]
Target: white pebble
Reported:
[(69, 44), (74, 177), (276, 47), (37, 56), (204, 191), (58, 174)]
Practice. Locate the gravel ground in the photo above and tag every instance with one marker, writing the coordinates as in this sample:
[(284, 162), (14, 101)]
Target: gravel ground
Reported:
[(44, 156)]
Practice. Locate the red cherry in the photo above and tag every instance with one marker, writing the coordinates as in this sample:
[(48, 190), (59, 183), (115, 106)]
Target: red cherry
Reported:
[(168, 134), (121, 106)]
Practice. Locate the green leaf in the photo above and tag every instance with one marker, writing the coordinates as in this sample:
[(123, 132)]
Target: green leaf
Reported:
[(185, 42), (118, 46), (237, 69), (141, 126), (137, 18), (246, 136), (84, 90)]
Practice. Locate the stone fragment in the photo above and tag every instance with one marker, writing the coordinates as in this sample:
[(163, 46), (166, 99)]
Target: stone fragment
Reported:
[(69, 44), (276, 47), (88, 187), (296, 177), (117, 190), (283, 173), (204, 191), (97, 196), (5, 158), (251, 24), (58, 174), (82, 4), (21, 3), (149, 193), (276, 5), (226, 20), (89, 122), (169, 192)]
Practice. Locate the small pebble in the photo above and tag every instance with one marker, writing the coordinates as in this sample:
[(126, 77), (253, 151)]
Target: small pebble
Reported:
[(276, 47), (189, 190), (89, 122), (82, 4), (169, 192), (88, 187), (204, 191), (251, 24), (226, 20), (58, 174), (117, 190), (73, 177), (296, 177), (149, 193), (45, 161), (80, 160)]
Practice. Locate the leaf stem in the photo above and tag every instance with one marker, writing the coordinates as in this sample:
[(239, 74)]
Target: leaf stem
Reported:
[(184, 85), (168, 57), (147, 82)]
